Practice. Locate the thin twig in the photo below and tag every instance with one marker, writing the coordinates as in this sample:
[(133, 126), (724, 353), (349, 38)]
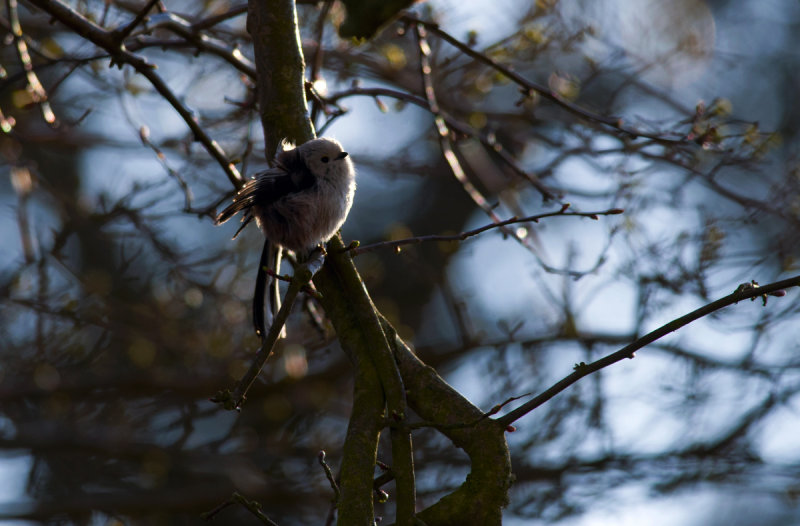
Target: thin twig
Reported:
[(144, 135), (307, 289), (235, 399), (123, 33), (487, 139), (214, 46), (211, 21), (250, 505), (316, 61), (395, 244), (329, 474), (462, 425)]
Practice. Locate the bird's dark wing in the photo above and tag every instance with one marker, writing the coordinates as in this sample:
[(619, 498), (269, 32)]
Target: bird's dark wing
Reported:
[(265, 188), (253, 192), (291, 162)]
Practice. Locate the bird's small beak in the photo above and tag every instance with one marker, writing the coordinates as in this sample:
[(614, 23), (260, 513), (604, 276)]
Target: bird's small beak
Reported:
[(341, 156)]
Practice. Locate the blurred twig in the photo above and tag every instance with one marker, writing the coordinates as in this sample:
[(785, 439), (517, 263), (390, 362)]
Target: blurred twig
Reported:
[(250, 505), (444, 138), (34, 88), (488, 140), (235, 399)]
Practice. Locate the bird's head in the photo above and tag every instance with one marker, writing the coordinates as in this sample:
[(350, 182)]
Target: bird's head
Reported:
[(326, 158)]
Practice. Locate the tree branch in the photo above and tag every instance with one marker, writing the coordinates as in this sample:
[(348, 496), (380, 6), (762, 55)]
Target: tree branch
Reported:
[(284, 115), (35, 88), (487, 139), (397, 243), (484, 493), (444, 138), (124, 32), (545, 92), (214, 46), (107, 40), (281, 69), (743, 292), (302, 275)]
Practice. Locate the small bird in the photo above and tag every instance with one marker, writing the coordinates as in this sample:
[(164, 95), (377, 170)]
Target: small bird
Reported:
[(298, 204)]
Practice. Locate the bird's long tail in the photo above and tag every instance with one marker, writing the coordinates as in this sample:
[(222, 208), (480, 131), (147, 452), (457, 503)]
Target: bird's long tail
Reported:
[(270, 259), (274, 290), (258, 296)]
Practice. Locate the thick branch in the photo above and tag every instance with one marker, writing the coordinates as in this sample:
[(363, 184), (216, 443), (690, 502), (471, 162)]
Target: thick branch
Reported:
[(279, 62), (284, 115), (359, 330), (482, 496), (360, 449)]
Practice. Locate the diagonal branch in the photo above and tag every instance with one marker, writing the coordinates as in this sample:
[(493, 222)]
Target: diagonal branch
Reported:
[(397, 243), (108, 41), (302, 276), (211, 21), (444, 138), (743, 292), (487, 139), (214, 46), (124, 32), (546, 93)]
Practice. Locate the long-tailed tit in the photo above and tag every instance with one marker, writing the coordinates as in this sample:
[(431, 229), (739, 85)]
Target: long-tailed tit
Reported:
[(298, 204)]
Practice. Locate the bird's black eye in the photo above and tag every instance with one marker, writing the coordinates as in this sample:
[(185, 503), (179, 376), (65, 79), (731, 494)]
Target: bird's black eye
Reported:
[(325, 159)]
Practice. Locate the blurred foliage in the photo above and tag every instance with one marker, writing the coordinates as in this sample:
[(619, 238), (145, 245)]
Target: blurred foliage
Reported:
[(124, 310)]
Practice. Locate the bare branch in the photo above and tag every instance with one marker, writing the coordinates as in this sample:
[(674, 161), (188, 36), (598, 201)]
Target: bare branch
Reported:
[(530, 86), (119, 55), (235, 399), (397, 243), (123, 33), (144, 135), (250, 505), (329, 475), (214, 46), (743, 292), (487, 139), (444, 139), (211, 21)]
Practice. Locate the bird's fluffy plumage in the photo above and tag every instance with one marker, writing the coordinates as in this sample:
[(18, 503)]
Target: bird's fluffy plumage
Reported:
[(298, 204), (303, 200)]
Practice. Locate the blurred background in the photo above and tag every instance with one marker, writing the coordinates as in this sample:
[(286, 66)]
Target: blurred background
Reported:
[(124, 309)]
